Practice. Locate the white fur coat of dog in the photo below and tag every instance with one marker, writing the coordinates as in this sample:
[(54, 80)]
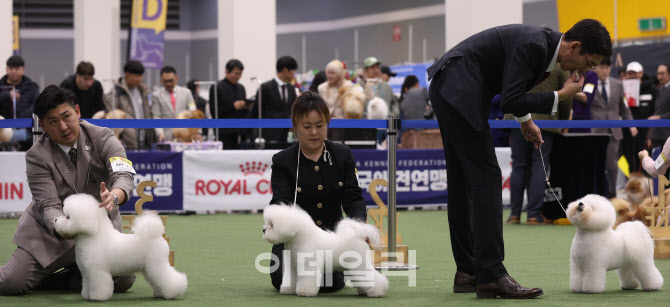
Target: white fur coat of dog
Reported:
[(295, 228), (102, 251), (597, 249)]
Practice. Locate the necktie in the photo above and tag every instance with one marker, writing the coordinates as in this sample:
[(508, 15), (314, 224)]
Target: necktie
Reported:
[(174, 102), (603, 91), (283, 93), (73, 156)]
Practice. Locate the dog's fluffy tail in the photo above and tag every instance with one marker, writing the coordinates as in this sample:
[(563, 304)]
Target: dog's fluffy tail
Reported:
[(148, 225), (359, 230), (638, 243)]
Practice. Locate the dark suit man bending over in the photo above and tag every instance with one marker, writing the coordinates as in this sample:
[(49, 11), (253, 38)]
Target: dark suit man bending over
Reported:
[(508, 60), (277, 96), (608, 104), (72, 157)]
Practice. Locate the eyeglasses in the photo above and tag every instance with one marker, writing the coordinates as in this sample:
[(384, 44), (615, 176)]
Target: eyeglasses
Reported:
[(591, 66)]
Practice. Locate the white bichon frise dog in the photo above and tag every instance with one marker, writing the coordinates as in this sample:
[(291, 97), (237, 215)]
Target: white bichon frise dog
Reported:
[(102, 251), (313, 251), (597, 249)]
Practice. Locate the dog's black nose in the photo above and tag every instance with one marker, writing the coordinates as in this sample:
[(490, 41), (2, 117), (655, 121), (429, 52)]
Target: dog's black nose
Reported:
[(263, 230), (580, 208)]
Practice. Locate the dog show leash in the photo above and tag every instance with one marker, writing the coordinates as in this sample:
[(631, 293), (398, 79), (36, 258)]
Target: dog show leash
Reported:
[(546, 176)]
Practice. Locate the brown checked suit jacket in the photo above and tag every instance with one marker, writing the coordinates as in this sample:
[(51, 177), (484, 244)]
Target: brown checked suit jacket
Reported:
[(52, 178)]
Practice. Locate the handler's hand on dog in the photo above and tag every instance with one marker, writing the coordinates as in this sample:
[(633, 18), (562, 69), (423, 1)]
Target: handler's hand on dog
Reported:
[(106, 197), (532, 133)]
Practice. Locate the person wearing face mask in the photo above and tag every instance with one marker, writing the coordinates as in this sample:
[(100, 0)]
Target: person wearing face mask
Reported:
[(317, 175)]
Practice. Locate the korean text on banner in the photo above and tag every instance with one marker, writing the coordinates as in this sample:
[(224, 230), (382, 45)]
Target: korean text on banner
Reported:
[(227, 180), (164, 168), (147, 34)]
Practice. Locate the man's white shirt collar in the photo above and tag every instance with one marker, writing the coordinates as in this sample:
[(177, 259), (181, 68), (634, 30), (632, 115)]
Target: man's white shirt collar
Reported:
[(553, 60), (66, 148)]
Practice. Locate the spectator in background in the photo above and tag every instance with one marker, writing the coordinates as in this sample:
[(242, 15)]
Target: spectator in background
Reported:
[(131, 96), (526, 160), (319, 78), (87, 90), (25, 91), (200, 103), (332, 92), (632, 144), (609, 104), (581, 102), (622, 73), (170, 100), (231, 99), (277, 97), (387, 73), (414, 100), (658, 135), (375, 86)]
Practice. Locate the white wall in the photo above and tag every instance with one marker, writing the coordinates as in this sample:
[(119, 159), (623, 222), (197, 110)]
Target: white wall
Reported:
[(96, 37), (5, 30), (465, 18), (247, 32)]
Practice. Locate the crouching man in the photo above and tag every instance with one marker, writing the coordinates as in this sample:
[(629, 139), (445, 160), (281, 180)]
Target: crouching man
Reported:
[(71, 157)]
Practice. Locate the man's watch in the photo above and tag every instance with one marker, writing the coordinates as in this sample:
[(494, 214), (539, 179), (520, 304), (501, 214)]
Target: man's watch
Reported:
[(116, 200)]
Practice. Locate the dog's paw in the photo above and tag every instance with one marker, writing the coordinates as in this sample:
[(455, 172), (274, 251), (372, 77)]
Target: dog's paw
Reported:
[(287, 290)]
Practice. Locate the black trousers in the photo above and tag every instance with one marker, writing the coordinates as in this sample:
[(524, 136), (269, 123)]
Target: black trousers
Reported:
[(475, 192), (277, 275)]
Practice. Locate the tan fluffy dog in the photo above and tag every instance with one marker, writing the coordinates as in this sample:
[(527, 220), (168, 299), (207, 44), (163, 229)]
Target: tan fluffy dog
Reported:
[(187, 134), (115, 114), (353, 102), (631, 202), (5, 133)]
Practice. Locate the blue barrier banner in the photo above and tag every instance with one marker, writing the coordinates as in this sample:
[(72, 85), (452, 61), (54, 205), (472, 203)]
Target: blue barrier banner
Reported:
[(166, 169), (421, 175)]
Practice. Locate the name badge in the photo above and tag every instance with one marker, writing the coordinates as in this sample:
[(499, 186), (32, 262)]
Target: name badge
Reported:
[(588, 88), (660, 161), (120, 164)]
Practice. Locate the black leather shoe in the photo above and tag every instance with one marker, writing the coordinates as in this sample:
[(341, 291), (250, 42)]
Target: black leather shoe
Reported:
[(464, 283), (506, 287)]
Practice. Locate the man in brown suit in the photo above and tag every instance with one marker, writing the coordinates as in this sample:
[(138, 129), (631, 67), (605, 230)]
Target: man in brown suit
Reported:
[(72, 157), (608, 104), (131, 95)]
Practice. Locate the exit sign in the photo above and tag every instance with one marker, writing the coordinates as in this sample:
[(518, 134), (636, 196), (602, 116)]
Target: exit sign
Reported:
[(651, 24)]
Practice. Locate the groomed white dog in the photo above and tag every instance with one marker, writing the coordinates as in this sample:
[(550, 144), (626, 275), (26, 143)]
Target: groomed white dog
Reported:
[(597, 249), (346, 249), (103, 252)]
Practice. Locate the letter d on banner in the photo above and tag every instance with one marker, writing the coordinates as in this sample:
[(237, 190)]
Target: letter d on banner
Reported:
[(147, 32)]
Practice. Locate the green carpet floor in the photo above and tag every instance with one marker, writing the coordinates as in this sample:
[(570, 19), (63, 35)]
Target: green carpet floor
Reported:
[(217, 252)]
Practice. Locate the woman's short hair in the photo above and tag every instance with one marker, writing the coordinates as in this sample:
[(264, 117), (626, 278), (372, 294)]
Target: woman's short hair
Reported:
[(307, 102)]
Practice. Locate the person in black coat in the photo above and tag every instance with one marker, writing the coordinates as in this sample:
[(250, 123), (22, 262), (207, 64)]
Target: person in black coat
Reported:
[(87, 90), (276, 98), (507, 60), (231, 99), (326, 182)]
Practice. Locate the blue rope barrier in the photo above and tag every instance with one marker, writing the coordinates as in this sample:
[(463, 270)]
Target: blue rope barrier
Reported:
[(336, 123)]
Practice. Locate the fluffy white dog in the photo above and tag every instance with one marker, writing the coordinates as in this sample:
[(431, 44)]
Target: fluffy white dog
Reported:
[(597, 249), (312, 248), (103, 252)]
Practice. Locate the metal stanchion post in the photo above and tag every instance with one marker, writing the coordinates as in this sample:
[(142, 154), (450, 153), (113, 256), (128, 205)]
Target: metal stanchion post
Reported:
[(392, 139), (259, 141), (37, 130)]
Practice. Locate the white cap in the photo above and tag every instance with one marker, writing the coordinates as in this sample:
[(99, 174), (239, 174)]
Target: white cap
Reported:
[(634, 66)]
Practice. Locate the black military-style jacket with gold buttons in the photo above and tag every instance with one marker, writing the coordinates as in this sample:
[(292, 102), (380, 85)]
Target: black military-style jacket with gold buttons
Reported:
[(324, 188)]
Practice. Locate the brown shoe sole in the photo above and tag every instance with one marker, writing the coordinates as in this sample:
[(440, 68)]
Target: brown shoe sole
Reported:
[(465, 289)]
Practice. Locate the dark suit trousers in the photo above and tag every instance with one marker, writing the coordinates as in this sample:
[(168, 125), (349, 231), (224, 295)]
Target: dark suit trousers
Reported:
[(277, 275), (475, 192), (527, 172), (22, 273)]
